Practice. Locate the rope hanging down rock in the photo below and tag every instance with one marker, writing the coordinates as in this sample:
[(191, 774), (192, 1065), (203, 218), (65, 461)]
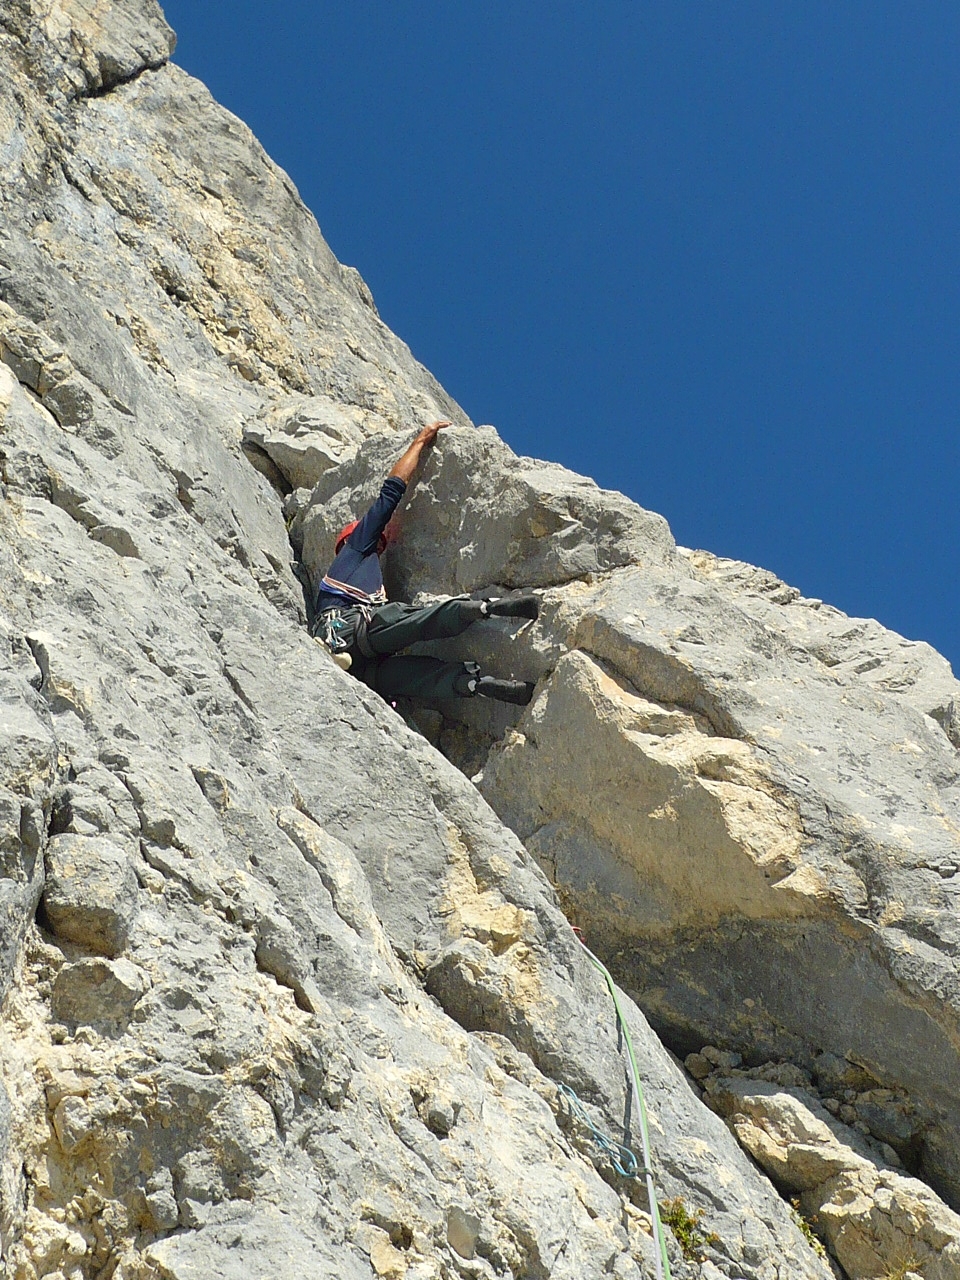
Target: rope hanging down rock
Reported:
[(620, 1156), (620, 1162)]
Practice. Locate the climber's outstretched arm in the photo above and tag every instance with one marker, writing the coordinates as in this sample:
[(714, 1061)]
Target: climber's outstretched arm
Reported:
[(407, 464)]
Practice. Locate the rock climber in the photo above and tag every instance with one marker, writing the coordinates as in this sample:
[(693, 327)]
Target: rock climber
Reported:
[(365, 632)]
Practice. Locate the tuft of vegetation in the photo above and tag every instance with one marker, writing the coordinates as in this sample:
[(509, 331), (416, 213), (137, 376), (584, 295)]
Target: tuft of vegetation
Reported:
[(806, 1229), (686, 1227), (902, 1269)]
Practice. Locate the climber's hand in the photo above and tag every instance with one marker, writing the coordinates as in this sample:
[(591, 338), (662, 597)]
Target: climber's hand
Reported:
[(429, 434), (424, 438)]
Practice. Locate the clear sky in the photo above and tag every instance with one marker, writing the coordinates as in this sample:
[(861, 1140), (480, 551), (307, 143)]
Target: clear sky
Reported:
[(706, 253)]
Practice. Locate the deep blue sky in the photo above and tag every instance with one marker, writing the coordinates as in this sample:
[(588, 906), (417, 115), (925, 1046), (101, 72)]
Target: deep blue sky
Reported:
[(706, 253)]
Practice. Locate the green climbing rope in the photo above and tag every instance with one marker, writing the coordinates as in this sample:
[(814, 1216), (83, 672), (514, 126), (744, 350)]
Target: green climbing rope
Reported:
[(663, 1262)]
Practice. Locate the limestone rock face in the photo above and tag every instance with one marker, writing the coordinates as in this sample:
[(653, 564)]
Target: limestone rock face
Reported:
[(874, 1218), (79, 48), (781, 870), (304, 436), (90, 892), (281, 993), (482, 516), (750, 801)]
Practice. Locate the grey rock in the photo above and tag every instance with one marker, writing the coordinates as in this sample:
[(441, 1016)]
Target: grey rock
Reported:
[(349, 993), (4, 1123), (29, 774), (100, 992), (889, 1117), (85, 51), (698, 1066), (90, 894), (79, 1118), (527, 524), (721, 1058), (9, 1180), (255, 1246), (306, 436), (836, 1074), (11, 844), (843, 727), (96, 802), (873, 1218), (463, 1232), (846, 811), (161, 1201), (116, 538), (861, 647)]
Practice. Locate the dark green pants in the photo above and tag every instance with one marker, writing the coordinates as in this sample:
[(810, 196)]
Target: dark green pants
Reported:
[(395, 626)]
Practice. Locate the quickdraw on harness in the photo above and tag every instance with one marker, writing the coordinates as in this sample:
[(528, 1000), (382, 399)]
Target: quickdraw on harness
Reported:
[(334, 630), (621, 1157), (341, 630)]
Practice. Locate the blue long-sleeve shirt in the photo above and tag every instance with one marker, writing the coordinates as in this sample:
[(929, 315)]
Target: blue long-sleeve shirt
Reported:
[(355, 577)]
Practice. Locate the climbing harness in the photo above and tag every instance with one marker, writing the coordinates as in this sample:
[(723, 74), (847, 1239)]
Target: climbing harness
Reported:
[(344, 629), (623, 1159), (334, 630), (335, 633)]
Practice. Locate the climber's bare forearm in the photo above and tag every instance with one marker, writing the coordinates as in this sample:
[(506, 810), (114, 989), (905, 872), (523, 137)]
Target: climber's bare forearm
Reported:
[(406, 465)]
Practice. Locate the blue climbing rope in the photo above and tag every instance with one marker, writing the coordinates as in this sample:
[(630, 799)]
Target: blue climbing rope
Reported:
[(621, 1157)]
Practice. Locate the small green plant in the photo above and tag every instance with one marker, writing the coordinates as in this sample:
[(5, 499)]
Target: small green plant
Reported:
[(806, 1228), (686, 1227), (902, 1269)]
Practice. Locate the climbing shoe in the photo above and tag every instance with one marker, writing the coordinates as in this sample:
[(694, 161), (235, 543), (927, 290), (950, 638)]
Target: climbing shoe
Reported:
[(517, 691), (512, 607)]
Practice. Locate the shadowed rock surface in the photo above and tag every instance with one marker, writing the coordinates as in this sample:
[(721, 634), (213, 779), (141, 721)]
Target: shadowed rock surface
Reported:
[(281, 991)]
